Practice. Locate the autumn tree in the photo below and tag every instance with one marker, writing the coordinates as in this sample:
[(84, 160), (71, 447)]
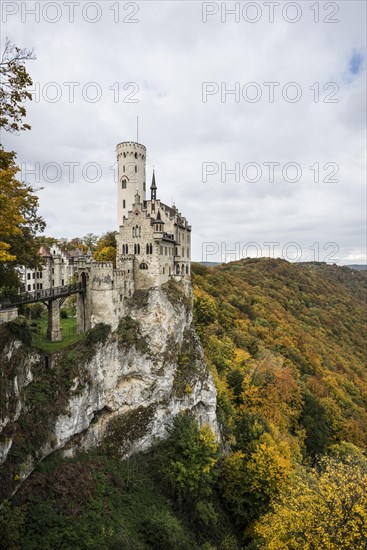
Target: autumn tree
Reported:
[(19, 222), (324, 507), (105, 250), (14, 81)]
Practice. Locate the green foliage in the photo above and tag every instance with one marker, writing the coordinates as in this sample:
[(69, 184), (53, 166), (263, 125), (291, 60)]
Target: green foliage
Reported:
[(19, 330), (102, 502), (98, 334), (129, 335), (63, 313), (163, 531), (12, 520), (189, 459)]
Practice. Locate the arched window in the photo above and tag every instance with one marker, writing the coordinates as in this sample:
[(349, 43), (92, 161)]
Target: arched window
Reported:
[(127, 249), (136, 155), (123, 184), (150, 248), (143, 266), (138, 248), (183, 269), (147, 248), (124, 155)]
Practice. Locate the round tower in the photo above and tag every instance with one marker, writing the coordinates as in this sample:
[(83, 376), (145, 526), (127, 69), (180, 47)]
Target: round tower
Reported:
[(131, 158)]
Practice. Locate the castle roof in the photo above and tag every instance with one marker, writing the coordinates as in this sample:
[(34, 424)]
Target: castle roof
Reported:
[(153, 186)]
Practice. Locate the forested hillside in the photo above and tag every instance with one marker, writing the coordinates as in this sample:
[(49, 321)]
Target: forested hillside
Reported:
[(288, 342), (286, 345)]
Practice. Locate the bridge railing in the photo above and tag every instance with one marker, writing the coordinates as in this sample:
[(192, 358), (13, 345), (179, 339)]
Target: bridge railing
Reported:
[(40, 295)]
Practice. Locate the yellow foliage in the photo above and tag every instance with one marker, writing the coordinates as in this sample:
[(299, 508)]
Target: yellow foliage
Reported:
[(326, 509)]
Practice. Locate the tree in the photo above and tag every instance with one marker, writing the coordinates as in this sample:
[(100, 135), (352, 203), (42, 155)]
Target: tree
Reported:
[(106, 254), (325, 507), (105, 250), (190, 456), (90, 240), (19, 221), (14, 80)]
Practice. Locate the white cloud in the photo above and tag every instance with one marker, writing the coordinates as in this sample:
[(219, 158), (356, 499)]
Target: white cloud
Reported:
[(169, 54)]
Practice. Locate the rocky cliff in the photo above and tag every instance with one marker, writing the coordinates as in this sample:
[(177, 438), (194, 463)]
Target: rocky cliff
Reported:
[(116, 389)]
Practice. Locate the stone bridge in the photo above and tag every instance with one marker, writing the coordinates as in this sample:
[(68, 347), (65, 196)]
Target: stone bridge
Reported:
[(52, 297)]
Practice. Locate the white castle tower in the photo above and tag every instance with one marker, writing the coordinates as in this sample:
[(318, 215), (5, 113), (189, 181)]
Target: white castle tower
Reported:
[(131, 158)]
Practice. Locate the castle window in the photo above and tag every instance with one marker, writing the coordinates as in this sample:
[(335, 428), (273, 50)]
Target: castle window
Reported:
[(144, 186), (124, 155), (123, 184), (163, 270), (161, 250), (177, 269), (143, 266), (127, 250), (187, 270), (28, 275), (136, 168), (165, 251), (124, 168), (124, 204), (136, 155)]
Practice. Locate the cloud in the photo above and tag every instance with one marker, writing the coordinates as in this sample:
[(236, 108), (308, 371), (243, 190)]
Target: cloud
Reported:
[(169, 54)]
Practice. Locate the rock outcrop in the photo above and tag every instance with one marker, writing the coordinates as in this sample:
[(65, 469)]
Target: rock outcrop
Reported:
[(120, 389)]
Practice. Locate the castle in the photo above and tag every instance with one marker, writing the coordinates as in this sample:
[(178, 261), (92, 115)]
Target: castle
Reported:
[(153, 247)]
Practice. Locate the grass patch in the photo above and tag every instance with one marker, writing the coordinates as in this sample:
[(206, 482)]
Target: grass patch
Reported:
[(68, 331)]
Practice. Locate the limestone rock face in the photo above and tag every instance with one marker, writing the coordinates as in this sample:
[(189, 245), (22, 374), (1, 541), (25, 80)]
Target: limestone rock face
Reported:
[(122, 391)]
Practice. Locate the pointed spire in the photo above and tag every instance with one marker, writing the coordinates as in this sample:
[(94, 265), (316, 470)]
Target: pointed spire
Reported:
[(153, 188)]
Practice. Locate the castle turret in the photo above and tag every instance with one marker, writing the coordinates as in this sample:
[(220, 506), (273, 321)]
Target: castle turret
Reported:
[(153, 188), (131, 159)]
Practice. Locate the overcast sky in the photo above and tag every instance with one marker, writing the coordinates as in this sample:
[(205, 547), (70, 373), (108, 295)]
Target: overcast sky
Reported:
[(152, 59)]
